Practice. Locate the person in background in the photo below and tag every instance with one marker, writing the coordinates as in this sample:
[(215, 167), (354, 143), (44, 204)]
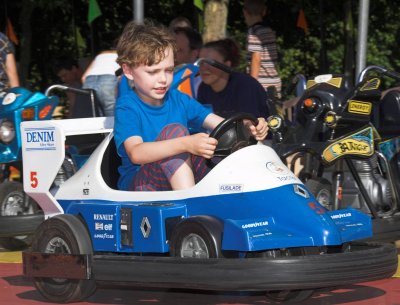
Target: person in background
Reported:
[(70, 73), (100, 76), (179, 22), (189, 43), (233, 92), (8, 67), (262, 54), (152, 122)]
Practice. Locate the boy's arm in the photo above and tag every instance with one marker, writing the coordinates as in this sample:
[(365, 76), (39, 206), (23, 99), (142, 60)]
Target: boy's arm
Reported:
[(140, 152), (211, 121), (255, 64)]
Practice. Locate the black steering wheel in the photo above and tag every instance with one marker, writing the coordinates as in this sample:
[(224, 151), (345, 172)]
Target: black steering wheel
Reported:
[(232, 135)]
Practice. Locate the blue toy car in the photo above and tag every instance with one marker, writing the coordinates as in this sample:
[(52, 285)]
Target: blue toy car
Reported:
[(249, 225), (19, 215)]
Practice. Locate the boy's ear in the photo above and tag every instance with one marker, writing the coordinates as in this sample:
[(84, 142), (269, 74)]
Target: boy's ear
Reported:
[(127, 71)]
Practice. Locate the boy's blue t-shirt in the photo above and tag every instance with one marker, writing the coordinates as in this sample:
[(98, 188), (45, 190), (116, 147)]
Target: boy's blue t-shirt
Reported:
[(133, 117)]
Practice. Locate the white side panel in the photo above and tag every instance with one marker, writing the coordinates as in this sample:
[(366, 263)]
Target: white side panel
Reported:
[(43, 152), (253, 168)]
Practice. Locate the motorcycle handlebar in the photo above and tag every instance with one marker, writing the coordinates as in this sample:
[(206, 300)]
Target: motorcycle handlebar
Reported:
[(213, 63), (392, 74), (66, 88)]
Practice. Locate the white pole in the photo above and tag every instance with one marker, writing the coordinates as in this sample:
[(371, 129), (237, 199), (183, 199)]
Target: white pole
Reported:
[(138, 11)]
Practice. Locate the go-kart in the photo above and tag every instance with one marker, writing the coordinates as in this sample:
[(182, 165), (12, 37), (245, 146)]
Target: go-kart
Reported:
[(249, 225)]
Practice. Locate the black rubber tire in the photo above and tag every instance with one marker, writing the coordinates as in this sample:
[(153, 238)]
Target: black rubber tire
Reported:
[(14, 188), (289, 296), (67, 231), (321, 188), (206, 229)]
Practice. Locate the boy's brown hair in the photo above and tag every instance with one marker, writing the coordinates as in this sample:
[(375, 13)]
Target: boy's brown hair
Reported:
[(254, 7), (144, 44)]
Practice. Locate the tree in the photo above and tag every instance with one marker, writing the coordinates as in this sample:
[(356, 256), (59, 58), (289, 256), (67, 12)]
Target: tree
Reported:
[(215, 19)]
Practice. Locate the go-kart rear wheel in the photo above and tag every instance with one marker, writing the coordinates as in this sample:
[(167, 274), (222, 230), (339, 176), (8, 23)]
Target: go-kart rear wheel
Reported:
[(197, 237), (321, 188), (14, 202), (63, 234)]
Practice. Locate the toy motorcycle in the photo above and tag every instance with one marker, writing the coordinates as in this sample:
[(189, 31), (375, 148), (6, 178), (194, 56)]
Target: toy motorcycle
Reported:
[(19, 214), (348, 142)]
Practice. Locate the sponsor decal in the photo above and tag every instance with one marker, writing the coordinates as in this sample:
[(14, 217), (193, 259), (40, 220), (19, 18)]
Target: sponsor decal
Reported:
[(85, 191), (276, 168), (40, 138), (104, 236), (287, 178), (103, 217), (359, 107), (230, 188), (99, 226), (341, 215), (145, 227), (360, 144), (262, 234), (255, 225)]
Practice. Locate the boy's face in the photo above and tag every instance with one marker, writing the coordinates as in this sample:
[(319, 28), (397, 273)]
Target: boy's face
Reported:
[(152, 82)]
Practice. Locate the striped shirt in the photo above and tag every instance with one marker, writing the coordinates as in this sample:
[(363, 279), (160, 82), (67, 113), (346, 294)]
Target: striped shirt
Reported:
[(5, 48), (262, 39)]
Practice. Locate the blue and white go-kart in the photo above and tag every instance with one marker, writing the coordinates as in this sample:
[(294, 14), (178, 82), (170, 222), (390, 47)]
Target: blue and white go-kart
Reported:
[(249, 225)]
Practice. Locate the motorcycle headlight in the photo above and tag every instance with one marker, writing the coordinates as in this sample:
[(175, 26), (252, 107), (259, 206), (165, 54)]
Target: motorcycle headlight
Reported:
[(7, 131)]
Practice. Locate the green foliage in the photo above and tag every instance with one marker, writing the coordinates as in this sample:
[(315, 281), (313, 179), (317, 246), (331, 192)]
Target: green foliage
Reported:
[(52, 25)]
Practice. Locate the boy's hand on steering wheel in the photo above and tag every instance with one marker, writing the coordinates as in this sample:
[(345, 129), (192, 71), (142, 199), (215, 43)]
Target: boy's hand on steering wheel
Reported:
[(260, 131), (201, 144)]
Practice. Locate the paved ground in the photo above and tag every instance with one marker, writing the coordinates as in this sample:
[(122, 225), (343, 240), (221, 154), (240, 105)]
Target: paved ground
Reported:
[(15, 289)]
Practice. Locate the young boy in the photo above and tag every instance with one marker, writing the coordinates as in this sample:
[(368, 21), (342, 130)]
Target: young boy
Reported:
[(151, 122), (262, 51)]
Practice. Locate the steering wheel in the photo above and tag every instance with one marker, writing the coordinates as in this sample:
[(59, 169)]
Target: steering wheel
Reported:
[(232, 135)]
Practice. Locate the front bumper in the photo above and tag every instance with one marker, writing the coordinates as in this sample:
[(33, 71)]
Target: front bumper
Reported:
[(366, 262), (19, 225)]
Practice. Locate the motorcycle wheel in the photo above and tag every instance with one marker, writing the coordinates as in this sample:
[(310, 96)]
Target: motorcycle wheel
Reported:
[(321, 188), (64, 234), (12, 203)]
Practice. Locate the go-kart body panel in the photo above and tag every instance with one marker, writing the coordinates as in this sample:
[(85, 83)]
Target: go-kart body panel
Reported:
[(260, 202)]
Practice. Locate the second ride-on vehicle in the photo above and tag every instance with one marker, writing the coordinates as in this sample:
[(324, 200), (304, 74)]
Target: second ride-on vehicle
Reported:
[(348, 140), (19, 214), (249, 225)]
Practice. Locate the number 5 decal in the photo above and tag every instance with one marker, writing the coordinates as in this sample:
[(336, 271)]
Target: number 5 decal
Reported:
[(34, 180)]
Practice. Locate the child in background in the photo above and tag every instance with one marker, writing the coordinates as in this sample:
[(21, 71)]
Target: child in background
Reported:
[(262, 54)]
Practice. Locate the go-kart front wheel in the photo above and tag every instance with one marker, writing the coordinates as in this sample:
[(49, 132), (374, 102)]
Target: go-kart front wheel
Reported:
[(64, 234), (197, 237)]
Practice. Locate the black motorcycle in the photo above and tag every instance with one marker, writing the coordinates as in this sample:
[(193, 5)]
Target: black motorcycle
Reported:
[(347, 142)]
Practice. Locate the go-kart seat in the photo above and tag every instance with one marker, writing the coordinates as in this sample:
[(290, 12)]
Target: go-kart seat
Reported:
[(109, 165), (388, 124)]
